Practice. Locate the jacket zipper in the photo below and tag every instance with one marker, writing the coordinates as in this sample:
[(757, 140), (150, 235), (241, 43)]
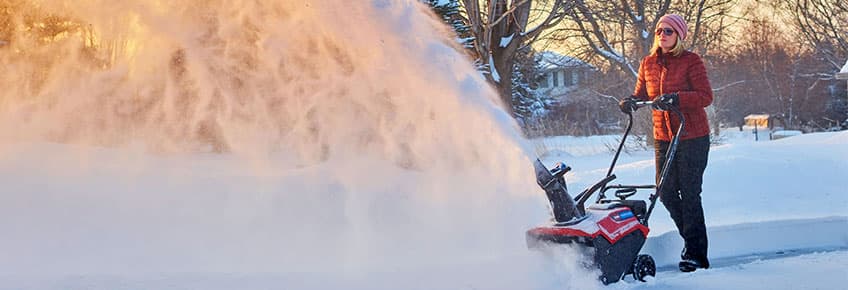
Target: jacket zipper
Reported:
[(663, 73)]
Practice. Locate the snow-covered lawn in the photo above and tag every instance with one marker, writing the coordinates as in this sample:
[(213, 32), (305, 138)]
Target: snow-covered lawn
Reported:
[(87, 218)]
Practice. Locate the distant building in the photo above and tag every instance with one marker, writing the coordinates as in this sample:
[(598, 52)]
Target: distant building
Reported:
[(843, 74), (562, 74), (761, 121), (763, 126)]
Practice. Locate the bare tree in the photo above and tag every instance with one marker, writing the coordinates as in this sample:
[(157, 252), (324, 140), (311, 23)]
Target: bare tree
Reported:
[(710, 20), (500, 29), (822, 27), (821, 23), (776, 76), (622, 32)]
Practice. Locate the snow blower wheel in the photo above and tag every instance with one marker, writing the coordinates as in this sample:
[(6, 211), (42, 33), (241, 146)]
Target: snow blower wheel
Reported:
[(644, 266)]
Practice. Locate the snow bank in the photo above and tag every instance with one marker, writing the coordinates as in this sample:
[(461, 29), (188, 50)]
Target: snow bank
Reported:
[(785, 133), (824, 270), (757, 238)]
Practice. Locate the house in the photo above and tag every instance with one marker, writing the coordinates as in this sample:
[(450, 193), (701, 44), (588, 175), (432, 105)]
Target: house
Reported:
[(843, 74), (562, 74), (761, 121), (760, 125), (766, 127)]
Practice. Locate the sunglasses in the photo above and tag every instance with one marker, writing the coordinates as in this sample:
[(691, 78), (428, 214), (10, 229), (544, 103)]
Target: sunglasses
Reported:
[(666, 31)]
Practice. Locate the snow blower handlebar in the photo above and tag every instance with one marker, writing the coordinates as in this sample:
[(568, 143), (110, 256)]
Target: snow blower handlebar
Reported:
[(669, 157), (638, 104), (584, 196), (602, 185), (623, 191)]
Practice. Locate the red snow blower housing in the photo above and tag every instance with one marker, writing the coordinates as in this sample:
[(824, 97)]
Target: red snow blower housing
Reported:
[(615, 228)]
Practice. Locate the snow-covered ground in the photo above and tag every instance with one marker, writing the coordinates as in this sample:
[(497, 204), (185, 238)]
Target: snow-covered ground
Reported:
[(776, 211)]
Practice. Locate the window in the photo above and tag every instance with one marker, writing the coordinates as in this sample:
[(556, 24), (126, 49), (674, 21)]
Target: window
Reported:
[(556, 78), (567, 78), (543, 81), (575, 77)]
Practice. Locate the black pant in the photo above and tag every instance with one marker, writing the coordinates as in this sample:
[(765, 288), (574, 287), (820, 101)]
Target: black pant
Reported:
[(681, 193)]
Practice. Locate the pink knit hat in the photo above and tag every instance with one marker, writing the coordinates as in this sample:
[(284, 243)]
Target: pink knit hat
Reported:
[(676, 22)]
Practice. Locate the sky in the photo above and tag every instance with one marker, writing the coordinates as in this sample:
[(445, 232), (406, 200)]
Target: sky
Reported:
[(364, 153)]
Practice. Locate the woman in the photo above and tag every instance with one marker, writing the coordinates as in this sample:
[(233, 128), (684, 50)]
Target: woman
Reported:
[(674, 77)]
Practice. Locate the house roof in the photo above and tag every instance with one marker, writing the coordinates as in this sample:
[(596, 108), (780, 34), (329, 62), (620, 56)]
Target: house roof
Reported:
[(843, 74), (551, 60), (757, 116)]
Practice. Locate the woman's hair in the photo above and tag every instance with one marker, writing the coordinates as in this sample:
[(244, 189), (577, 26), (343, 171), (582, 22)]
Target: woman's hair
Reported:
[(676, 50)]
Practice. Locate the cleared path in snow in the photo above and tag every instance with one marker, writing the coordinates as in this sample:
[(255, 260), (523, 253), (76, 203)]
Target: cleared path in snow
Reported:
[(820, 270), (760, 238)]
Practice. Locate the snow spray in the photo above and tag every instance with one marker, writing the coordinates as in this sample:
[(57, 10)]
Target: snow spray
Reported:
[(346, 139)]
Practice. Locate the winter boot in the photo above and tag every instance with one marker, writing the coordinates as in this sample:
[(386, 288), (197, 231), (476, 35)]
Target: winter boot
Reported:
[(689, 265)]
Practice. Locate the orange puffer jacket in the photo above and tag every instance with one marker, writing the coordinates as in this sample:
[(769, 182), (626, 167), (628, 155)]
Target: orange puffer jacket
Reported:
[(686, 75)]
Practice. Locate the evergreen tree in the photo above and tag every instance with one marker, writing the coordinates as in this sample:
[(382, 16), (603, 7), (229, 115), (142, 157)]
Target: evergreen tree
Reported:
[(528, 104), (449, 11)]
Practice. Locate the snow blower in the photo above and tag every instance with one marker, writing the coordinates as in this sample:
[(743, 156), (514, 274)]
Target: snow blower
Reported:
[(615, 228)]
